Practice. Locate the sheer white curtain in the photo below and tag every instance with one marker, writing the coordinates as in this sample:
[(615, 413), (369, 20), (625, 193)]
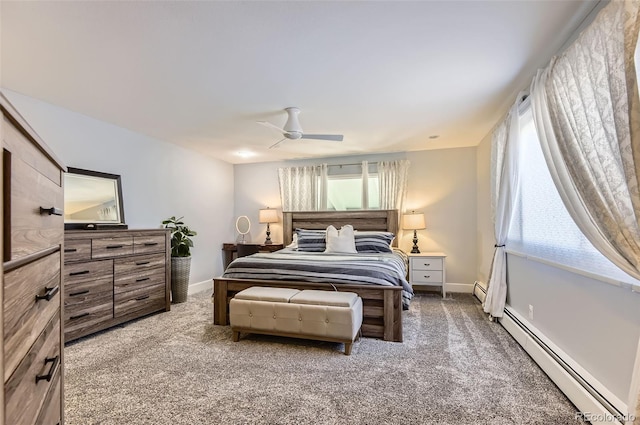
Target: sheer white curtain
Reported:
[(585, 108), (504, 185), (303, 188), (365, 184), (393, 177)]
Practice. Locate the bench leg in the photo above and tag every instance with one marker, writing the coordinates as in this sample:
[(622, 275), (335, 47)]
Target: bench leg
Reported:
[(347, 348), (236, 336)]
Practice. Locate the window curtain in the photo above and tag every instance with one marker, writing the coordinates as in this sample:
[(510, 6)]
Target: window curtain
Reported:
[(504, 185), (393, 177), (365, 185), (586, 111), (303, 188)]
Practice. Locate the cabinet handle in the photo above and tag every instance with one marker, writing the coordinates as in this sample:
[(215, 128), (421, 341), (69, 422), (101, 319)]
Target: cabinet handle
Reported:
[(142, 263), (75, 294), (70, 250), (150, 243), (55, 361), (48, 294), (144, 297), (79, 273), (142, 279), (51, 211), (78, 316), (114, 246)]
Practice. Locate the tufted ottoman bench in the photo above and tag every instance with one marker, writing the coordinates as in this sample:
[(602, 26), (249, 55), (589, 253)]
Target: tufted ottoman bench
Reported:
[(310, 314)]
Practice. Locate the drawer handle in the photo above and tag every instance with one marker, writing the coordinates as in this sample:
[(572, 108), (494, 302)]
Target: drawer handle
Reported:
[(75, 294), (114, 246), (70, 250), (79, 273), (55, 362), (142, 279), (150, 243), (144, 297), (427, 264), (142, 263), (428, 276), (49, 293), (51, 211), (79, 316)]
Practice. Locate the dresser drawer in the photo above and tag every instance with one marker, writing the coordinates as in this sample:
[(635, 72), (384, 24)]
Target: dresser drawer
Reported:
[(25, 316), (51, 411), (88, 317), (426, 276), (148, 244), (426, 264), (139, 280), (141, 270), (111, 247), (28, 386), (140, 301), (87, 272), (81, 292), (77, 250), (31, 229)]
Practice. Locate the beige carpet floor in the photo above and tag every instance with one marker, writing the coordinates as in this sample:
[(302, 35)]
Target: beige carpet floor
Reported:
[(455, 367)]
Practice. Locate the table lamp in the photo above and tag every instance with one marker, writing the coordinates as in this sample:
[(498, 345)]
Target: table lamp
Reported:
[(414, 221), (268, 215)]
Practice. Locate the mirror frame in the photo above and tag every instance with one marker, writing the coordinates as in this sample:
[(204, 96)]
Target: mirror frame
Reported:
[(99, 225), (248, 224)]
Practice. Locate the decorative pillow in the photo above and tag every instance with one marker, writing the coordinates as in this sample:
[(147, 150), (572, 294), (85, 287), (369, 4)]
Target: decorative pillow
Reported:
[(294, 242), (373, 241), (341, 241), (311, 240)]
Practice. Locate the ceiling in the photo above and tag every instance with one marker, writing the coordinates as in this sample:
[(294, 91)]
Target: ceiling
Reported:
[(388, 75)]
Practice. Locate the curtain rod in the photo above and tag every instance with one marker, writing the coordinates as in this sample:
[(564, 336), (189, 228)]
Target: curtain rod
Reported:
[(347, 165)]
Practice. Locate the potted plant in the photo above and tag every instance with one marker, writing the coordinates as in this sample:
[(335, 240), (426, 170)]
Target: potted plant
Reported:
[(181, 245)]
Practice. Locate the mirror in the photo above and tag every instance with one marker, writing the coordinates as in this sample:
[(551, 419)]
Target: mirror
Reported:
[(92, 200), (243, 225)]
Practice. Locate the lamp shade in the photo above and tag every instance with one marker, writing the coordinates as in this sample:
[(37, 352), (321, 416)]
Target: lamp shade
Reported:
[(413, 221), (268, 215)]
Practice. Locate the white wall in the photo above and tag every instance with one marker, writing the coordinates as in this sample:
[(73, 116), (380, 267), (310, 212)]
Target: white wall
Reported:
[(158, 179), (595, 323), (442, 184)]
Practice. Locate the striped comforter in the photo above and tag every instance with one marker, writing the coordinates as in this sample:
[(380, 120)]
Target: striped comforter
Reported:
[(387, 269)]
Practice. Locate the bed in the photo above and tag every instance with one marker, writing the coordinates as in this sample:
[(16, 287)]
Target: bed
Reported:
[(382, 304)]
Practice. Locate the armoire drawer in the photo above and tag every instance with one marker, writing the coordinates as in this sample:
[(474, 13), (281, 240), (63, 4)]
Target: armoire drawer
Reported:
[(51, 411), (148, 244), (139, 302), (111, 247), (27, 388), (31, 298)]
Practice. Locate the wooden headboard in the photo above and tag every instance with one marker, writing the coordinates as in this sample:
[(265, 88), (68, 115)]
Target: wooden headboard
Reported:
[(378, 220)]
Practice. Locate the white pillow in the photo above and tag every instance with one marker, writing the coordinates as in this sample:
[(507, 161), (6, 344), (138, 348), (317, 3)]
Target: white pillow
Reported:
[(294, 242), (341, 241)]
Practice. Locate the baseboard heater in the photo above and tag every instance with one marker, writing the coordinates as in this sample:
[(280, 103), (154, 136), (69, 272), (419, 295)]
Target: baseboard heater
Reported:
[(568, 380)]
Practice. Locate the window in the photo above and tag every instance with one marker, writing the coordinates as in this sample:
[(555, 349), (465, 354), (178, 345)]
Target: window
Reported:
[(345, 189), (542, 226)]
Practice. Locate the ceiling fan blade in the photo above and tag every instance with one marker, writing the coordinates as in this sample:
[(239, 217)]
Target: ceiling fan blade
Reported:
[(275, 145), (331, 137), (272, 126)]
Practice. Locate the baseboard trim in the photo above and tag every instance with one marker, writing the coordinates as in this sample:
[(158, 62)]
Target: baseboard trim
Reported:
[(194, 288), (593, 399), (465, 288)]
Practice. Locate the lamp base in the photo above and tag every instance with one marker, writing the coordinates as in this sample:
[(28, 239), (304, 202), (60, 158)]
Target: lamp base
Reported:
[(268, 240), (415, 249)]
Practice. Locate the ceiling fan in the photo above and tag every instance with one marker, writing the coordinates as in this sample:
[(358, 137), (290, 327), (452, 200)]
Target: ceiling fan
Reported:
[(292, 129)]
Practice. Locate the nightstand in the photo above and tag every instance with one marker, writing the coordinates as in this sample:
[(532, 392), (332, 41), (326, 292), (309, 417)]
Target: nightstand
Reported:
[(230, 250), (427, 269)]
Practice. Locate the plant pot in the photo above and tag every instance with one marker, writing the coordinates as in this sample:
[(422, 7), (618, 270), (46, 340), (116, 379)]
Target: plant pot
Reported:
[(180, 268)]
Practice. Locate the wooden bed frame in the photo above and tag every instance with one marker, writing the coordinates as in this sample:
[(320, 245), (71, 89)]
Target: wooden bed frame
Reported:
[(382, 305)]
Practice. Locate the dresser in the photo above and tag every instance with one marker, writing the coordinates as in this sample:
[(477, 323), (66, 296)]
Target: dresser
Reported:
[(427, 270), (32, 241), (114, 276)]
